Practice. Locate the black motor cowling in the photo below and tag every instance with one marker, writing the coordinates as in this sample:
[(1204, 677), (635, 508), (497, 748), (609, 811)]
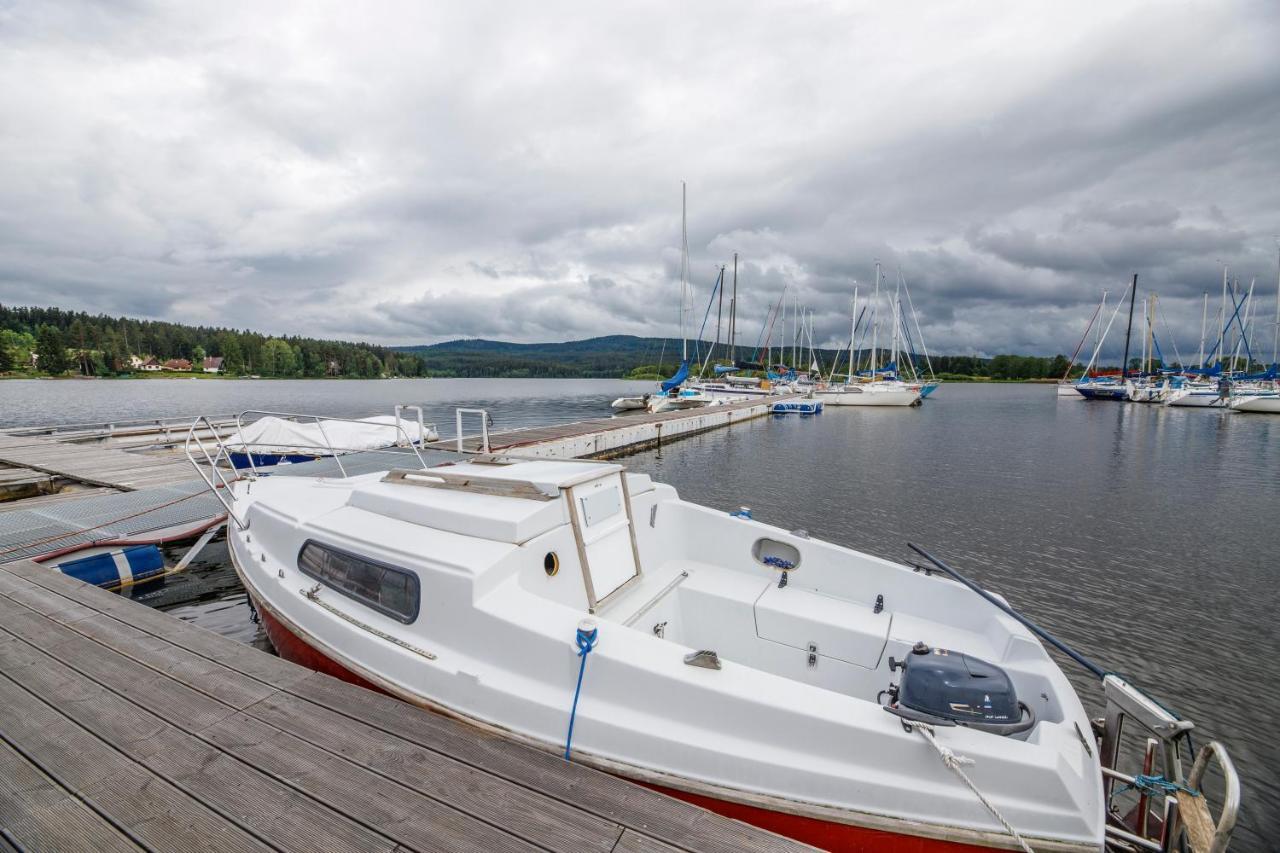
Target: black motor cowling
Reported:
[(963, 689)]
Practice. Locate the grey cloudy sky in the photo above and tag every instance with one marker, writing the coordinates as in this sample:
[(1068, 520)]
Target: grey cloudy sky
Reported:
[(416, 172)]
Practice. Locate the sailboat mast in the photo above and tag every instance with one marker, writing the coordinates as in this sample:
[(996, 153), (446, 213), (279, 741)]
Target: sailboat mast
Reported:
[(897, 307), (1243, 338), (1204, 319), (1128, 332), (811, 362), (853, 329), (782, 336), (684, 268), (1222, 319), (795, 334), (733, 315), (875, 328), (1146, 329), (719, 315), (1275, 331), (1097, 334), (1151, 333)]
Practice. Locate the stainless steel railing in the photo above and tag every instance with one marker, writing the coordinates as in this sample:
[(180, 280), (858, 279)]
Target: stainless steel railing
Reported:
[(211, 455)]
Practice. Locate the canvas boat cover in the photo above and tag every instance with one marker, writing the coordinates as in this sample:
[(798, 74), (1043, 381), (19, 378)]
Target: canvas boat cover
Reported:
[(282, 436)]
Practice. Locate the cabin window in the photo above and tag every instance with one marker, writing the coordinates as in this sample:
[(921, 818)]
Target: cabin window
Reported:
[(388, 590)]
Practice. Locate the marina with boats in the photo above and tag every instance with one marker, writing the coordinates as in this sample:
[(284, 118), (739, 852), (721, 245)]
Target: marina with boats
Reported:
[(1229, 376), (525, 584), (563, 548)]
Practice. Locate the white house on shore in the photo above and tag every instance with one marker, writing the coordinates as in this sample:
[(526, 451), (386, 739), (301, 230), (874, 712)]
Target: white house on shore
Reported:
[(213, 364)]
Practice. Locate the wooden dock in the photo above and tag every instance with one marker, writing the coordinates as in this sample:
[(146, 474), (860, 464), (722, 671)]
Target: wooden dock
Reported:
[(602, 438), (76, 485), (95, 465), (123, 728)]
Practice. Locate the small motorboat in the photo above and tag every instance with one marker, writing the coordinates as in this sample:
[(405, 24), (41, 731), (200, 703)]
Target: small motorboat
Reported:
[(796, 407), (825, 694)]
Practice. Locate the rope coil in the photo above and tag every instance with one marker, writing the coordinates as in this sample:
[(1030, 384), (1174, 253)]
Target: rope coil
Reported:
[(585, 640), (955, 763)]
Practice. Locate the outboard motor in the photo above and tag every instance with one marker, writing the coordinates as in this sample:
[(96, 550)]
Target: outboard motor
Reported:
[(951, 688)]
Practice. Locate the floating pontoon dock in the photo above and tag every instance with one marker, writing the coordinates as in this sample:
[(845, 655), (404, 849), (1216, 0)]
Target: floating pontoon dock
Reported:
[(123, 728), (80, 485)]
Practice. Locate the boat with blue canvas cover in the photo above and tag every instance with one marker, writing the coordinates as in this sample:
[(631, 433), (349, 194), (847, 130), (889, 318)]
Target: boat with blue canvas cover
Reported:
[(796, 407), (272, 439)]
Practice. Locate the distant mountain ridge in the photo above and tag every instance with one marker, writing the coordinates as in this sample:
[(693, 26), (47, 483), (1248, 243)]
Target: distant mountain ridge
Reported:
[(606, 357), (620, 356)]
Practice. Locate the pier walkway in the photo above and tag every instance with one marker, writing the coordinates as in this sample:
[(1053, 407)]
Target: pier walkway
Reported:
[(615, 436), (93, 464), (124, 728), (129, 493)]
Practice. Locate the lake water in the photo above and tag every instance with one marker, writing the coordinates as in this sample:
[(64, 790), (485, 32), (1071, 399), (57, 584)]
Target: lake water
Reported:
[(1144, 536)]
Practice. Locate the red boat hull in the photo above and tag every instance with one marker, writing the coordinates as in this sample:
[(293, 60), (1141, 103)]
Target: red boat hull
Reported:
[(826, 835)]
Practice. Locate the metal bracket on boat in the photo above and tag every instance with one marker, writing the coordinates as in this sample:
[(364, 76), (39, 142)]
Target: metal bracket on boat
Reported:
[(705, 658), (813, 655), (313, 595)]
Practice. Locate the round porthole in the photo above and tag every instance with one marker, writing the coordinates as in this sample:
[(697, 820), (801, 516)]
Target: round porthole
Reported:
[(551, 564)]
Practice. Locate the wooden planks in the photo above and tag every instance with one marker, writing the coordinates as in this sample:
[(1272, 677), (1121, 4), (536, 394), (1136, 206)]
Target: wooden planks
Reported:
[(95, 465), (135, 727)]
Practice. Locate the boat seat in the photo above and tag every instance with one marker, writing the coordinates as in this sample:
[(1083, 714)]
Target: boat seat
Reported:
[(851, 631)]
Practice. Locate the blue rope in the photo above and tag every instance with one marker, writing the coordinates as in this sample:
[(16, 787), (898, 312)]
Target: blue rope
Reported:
[(1155, 786), (586, 641), (779, 562)]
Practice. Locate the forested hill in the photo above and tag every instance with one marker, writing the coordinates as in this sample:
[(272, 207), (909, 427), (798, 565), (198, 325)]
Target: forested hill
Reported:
[(625, 355), (53, 341), (71, 342)]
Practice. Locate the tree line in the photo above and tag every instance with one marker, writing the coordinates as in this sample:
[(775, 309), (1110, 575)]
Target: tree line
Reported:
[(65, 342)]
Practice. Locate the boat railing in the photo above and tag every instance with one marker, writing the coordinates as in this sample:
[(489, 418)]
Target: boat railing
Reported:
[(1184, 808), (210, 453), (484, 427)]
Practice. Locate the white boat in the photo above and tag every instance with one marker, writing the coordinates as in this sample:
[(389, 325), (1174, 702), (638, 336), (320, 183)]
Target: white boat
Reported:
[(679, 400), (1199, 395), (870, 394), (810, 689), (1269, 403), (273, 438), (625, 404), (1069, 390), (1149, 390), (731, 393)]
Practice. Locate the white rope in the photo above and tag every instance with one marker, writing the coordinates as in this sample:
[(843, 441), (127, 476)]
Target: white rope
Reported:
[(956, 763)]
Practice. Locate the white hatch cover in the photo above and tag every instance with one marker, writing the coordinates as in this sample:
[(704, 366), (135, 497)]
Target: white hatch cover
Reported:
[(850, 631), (603, 527)]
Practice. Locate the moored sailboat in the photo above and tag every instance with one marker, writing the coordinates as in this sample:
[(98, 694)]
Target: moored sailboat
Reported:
[(792, 683)]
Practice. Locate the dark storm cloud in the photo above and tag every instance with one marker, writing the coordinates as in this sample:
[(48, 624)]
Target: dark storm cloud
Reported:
[(410, 173)]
